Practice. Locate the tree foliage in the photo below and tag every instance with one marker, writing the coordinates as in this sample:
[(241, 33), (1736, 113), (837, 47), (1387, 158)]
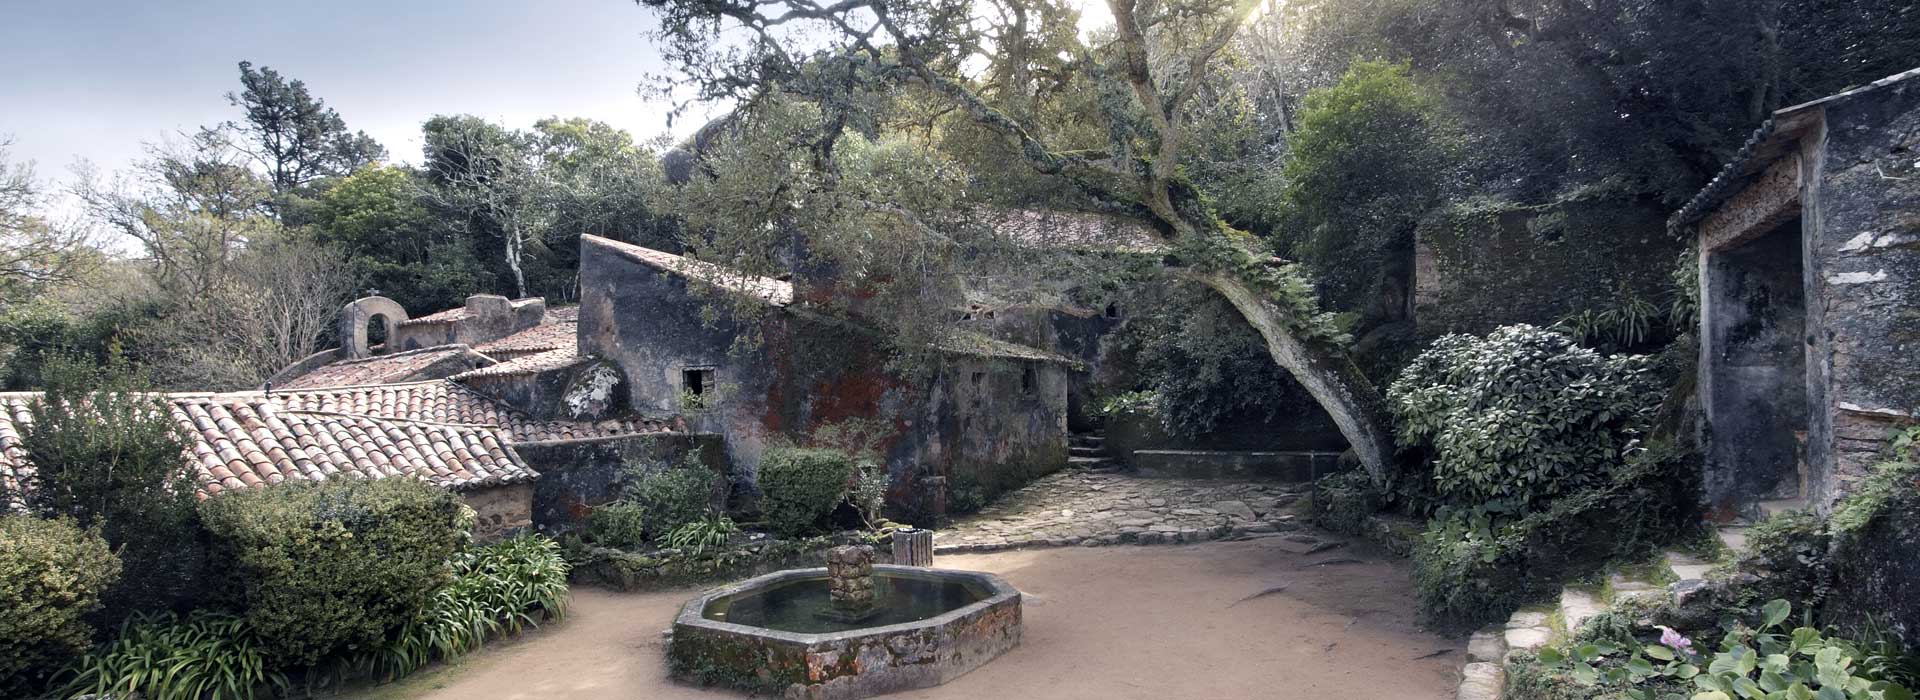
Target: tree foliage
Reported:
[(52, 576), (291, 134), (1521, 416)]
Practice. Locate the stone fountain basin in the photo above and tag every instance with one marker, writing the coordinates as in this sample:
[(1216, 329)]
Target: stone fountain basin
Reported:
[(856, 663)]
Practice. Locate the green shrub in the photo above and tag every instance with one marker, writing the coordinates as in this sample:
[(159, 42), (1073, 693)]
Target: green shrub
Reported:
[(52, 575), (654, 503), (1768, 661), (701, 536), (497, 589), (1521, 416), (339, 565), (801, 487), (207, 656), (1472, 569), (107, 454)]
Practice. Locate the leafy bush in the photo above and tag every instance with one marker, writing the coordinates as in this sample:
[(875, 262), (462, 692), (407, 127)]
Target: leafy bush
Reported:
[(802, 487), (1522, 416), (52, 575), (654, 503), (207, 656), (1890, 482), (1472, 569), (107, 454), (1767, 662), (497, 589), (701, 536), (339, 565)]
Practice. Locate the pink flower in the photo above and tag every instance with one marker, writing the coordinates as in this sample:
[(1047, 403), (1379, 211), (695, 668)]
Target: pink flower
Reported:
[(1674, 640)]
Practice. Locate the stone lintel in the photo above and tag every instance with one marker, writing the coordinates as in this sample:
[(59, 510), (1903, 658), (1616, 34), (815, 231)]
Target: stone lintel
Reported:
[(1772, 198)]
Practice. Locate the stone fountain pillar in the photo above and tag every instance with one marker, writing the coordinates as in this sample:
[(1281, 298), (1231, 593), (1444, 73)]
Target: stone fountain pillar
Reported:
[(850, 583)]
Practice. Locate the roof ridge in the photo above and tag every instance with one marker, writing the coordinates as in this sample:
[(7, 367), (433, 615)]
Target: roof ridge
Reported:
[(386, 419)]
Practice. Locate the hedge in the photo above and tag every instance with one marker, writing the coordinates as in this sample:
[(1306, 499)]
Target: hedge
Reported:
[(52, 575), (801, 487)]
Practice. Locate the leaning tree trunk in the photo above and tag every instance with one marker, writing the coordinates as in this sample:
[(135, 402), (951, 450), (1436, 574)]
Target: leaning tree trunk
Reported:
[(1328, 374)]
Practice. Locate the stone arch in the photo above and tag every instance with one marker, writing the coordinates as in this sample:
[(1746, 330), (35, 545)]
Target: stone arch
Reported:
[(353, 324)]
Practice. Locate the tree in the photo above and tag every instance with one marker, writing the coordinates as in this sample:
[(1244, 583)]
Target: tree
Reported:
[(376, 218), (995, 68), (484, 178), (1365, 165), (293, 135), (190, 207), (34, 251), (107, 453)]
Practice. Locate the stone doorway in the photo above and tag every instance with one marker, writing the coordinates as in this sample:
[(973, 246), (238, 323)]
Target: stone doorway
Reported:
[(1754, 305)]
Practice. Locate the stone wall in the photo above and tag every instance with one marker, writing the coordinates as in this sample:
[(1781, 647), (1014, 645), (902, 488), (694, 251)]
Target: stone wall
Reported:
[(1483, 264), (576, 475), (1864, 252), (994, 421), (501, 511)]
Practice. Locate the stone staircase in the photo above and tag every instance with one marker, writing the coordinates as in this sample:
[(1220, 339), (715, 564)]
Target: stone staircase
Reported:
[(1484, 676), (1088, 451)]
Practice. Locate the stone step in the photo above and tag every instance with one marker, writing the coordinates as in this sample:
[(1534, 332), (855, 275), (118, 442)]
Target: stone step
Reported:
[(1086, 462), (1735, 538), (1576, 606), (1078, 451), (1686, 566), (1527, 630), (1783, 505)]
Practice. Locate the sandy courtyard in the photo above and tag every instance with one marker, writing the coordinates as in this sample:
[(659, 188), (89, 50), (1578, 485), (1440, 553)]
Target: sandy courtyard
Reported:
[(1101, 623)]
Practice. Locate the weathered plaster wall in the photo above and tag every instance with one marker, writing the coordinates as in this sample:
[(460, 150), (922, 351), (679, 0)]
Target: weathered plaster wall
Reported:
[(488, 317), (1482, 264), (1864, 243), (806, 373), (576, 475), (501, 510)]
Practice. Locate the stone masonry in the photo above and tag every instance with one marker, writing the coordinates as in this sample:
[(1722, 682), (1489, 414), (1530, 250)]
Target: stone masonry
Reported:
[(1091, 508)]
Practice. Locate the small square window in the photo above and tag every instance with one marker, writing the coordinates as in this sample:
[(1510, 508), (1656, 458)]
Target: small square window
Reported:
[(1029, 380), (696, 381)]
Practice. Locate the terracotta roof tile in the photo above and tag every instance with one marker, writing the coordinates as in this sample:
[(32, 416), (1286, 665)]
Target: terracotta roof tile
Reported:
[(525, 364), (554, 335), (448, 316), (379, 369)]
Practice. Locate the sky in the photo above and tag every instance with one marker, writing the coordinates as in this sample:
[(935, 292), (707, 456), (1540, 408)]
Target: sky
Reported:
[(94, 79)]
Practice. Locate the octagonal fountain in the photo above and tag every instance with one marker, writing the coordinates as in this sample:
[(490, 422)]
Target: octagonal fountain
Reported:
[(851, 630)]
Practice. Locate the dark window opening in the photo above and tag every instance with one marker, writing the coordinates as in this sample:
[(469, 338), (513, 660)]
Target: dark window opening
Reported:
[(979, 378), (376, 331), (989, 314), (1028, 380), (697, 381), (1113, 311)]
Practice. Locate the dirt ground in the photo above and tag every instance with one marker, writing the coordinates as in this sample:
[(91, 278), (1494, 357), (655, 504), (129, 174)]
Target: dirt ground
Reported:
[(1218, 620)]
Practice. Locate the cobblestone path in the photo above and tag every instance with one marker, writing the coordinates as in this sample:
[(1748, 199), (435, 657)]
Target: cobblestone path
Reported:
[(1095, 508)]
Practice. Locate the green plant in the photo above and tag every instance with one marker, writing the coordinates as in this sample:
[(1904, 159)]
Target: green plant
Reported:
[(1891, 481), (497, 589), (336, 565), (654, 503), (52, 575), (701, 536), (965, 494), (1472, 567), (1765, 663), (1129, 402), (207, 656), (1788, 555), (107, 454), (1521, 416), (802, 487)]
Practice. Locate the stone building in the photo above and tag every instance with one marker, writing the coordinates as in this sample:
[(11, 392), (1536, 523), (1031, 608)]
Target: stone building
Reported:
[(1809, 257), (993, 416)]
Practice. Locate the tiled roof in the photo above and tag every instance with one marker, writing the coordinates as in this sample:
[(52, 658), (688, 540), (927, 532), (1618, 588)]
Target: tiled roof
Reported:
[(555, 335), (448, 402), (241, 443), (767, 289), (379, 369), (983, 345), (248, 439), (525, 364), (448, 316), (433, 430)]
